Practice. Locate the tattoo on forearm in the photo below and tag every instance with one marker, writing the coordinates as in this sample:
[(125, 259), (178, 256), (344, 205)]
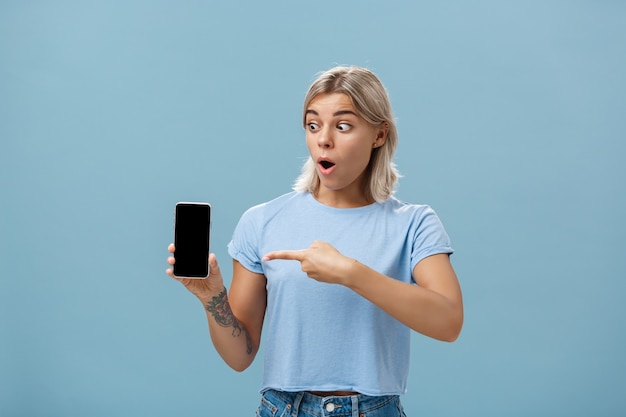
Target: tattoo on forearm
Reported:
[(220, 310)]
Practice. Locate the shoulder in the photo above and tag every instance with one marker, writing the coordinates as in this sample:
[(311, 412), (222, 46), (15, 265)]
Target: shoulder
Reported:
[(402, 208), (255, 219), (278, 202), (418, 219), (270, 208)]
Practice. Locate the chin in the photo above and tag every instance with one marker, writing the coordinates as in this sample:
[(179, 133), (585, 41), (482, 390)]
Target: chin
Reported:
[(332, 187)]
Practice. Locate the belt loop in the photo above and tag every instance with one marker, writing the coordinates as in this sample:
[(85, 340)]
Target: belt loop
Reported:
[(296, 403), (355, 405)]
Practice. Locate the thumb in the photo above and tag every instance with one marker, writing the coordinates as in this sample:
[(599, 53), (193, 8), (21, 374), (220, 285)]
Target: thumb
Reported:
[(213, 265)]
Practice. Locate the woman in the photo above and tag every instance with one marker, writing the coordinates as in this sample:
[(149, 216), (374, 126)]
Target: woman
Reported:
[(329, 270)]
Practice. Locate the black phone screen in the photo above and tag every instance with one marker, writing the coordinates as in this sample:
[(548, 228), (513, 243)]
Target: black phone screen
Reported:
[(191, 239)]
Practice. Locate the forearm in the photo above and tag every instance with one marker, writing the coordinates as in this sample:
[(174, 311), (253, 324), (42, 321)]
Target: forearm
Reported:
[(230, 337), (421, 309)]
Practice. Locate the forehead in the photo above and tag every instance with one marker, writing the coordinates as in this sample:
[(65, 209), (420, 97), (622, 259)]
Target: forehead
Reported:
[(331, 101)]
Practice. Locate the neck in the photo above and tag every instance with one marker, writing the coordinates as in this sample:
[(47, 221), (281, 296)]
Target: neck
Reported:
[(342, 198)]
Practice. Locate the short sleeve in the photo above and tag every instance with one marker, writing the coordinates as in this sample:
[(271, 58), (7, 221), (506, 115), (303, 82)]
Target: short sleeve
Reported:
[(244, 245), (429, 236)]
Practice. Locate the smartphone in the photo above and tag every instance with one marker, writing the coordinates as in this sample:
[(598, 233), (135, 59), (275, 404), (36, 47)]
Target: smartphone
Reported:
[(192, 233)]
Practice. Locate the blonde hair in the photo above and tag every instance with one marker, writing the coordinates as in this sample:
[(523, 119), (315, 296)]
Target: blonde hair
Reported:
[(371, 102)]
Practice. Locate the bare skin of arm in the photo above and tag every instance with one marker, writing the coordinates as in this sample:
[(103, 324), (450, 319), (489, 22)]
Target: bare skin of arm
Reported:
[(235, 320), (434, 307)]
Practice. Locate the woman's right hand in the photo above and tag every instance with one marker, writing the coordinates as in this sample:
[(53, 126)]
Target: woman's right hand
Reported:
[(204, 288)]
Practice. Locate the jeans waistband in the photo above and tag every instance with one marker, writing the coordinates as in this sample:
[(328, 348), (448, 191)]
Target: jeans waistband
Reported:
[(331, 406)]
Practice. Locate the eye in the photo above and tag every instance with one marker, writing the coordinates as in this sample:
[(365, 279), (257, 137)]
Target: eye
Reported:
[(312, 126), (344, 126)]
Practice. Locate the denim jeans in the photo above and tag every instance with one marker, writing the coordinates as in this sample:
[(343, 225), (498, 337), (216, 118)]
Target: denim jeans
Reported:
[(303, 404)]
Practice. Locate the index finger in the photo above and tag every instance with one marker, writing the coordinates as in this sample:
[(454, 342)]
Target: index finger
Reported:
[(291, 255)]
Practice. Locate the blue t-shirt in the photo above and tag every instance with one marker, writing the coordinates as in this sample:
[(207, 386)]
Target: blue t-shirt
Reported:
[(325, 337)]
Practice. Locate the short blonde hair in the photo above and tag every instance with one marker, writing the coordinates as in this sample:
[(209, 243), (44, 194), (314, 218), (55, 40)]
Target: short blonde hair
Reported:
[(371, 102)]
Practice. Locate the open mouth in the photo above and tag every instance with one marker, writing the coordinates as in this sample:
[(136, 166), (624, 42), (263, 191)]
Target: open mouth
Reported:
[(326, 164)]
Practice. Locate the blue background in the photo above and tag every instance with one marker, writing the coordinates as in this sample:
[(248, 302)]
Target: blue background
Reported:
[(512, 121)]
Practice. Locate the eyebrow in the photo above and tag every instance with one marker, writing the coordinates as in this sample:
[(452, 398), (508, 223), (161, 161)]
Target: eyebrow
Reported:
[(337, 113)]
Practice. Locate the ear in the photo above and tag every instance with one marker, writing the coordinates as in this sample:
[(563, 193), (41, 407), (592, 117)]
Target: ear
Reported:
[(381, 134)]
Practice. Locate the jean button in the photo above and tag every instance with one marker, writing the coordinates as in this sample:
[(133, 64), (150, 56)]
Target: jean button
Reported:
[(330, 407)]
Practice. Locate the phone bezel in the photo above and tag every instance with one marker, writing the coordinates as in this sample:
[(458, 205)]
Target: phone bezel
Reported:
[(210, 211)]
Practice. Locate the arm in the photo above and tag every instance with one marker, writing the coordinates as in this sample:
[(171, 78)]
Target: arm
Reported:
[(434, 307), (235, 321)]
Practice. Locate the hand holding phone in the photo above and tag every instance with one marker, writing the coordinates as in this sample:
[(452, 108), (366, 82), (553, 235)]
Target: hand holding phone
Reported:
[(192, 232)]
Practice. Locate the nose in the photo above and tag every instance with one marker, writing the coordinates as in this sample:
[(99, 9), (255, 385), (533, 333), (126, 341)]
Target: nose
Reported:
[(324, 138)]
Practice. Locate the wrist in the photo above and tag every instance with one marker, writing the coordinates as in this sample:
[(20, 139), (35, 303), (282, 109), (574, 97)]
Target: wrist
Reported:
[(350, 271), (212, 293)]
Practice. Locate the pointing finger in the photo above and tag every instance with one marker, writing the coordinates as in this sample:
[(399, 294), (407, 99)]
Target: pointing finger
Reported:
[(292, 255)]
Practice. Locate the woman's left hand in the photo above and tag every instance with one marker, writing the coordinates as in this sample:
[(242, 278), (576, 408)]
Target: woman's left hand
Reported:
[(321, 261)]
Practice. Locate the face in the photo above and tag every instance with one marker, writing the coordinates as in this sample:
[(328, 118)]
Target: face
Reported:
[(340, 143)]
